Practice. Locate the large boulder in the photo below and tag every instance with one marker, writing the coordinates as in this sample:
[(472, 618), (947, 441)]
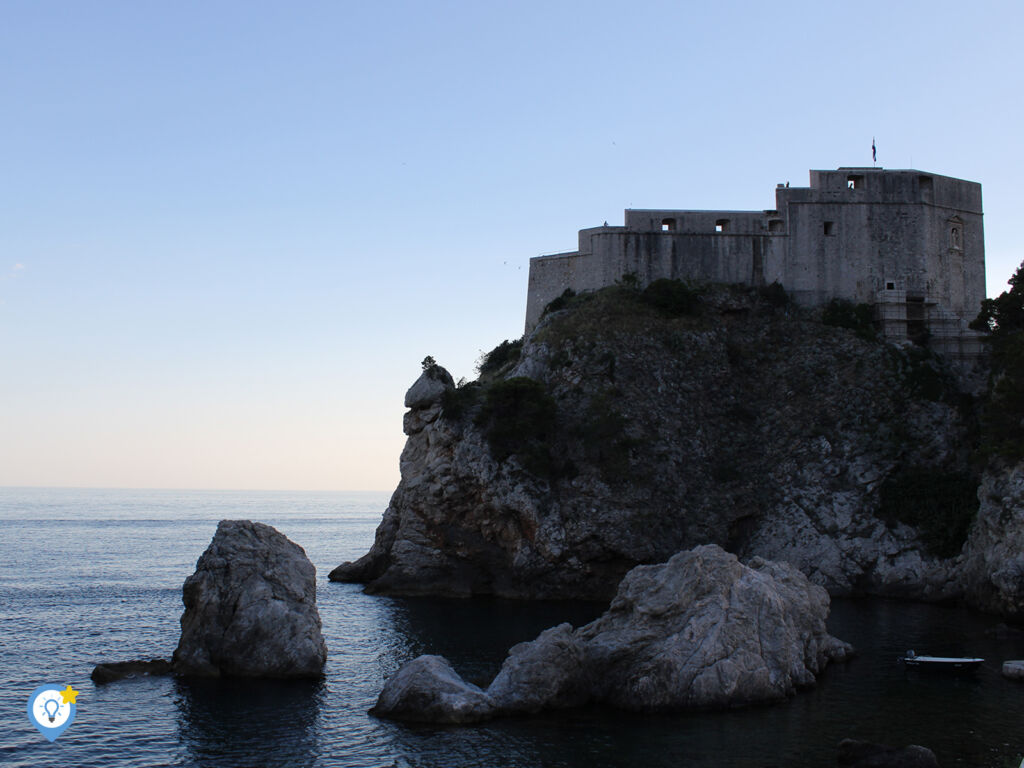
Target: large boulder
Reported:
[(700, 631), (703, 630), (250, 608)]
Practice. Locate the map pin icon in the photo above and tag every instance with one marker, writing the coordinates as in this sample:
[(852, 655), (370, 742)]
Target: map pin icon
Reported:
[(48, 711)]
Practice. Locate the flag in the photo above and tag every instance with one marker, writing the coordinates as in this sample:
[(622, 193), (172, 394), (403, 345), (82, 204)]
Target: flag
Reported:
[(874, 152)]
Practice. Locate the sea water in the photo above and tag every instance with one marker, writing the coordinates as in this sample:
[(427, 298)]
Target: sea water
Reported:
[(91, 575)]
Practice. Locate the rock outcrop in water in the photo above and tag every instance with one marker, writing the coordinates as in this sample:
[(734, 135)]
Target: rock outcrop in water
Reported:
[(993, 562), (863, 754), (250, 608), (626, 432), (700, 631), (122, 670)]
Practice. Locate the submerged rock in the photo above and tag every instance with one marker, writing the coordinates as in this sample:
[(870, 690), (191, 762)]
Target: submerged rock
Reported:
[(700, 631), (1013, 670), (863, 754), (250, 608), (111, 671)]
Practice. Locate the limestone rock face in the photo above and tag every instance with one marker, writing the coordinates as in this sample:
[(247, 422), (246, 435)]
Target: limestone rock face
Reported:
[(993, 566), (700, 631), (427, 689), (428, 388), (250, 608), (750, 426)]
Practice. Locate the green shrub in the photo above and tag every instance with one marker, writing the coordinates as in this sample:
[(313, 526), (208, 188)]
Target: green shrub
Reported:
[(1003, 416), (940, 504), (859, 318), (672, 297), (503, 354), (455, 403), (518, 418), (1002, 421), (924, 376), (774, 294), (629, 281), (602, 436), (560, 302)]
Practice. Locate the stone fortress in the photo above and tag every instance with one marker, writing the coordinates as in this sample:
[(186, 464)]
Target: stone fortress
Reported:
[(909, 243)]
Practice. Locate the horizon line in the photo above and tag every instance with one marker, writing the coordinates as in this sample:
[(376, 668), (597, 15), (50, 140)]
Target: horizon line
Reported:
[(205, 490)]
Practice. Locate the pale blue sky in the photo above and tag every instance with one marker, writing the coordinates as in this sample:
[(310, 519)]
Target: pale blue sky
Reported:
[(230, 231)]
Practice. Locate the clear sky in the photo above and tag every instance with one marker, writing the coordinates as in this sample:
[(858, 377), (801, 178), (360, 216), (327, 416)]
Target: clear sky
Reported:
[(230, 231)]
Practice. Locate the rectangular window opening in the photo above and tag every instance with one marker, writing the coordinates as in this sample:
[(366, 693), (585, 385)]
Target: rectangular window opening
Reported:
[(890, 286), (668, 225), (829, 227), (722, 225), (776, 225), (855, 182)]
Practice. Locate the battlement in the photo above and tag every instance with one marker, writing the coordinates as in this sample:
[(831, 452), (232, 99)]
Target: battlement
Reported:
[(854, 233)]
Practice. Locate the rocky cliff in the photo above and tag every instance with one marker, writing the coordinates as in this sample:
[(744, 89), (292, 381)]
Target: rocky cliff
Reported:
[(633, 425)]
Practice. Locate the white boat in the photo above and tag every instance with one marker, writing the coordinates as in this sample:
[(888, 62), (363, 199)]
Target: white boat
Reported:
[(941, 663)]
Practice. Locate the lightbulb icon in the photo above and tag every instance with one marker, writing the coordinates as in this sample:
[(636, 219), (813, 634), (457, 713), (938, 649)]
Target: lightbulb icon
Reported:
[(52, 710), (51, 707)]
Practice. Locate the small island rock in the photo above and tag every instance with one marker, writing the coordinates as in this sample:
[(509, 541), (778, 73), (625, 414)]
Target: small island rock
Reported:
[(250, 608)]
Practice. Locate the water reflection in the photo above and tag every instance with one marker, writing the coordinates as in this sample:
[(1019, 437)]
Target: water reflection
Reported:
[(231, 723)]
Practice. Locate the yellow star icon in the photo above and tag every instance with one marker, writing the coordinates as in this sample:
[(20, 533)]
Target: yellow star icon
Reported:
[(69, 695)]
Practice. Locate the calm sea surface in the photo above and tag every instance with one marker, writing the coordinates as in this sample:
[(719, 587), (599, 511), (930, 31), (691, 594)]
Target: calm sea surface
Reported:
[(88, 575)]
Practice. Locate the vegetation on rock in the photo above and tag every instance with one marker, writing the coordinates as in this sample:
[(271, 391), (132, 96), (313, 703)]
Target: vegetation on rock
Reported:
[(859, 318), (940, 504), (1003, 417), (498, 358), (518, 417)]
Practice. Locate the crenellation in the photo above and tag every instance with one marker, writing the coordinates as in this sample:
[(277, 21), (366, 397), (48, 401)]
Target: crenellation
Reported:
[(907, 242)]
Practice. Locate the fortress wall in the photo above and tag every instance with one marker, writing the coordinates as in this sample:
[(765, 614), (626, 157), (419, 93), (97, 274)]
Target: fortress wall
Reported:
[(855, 232), (697, 222), (551, 275), (614, 252)]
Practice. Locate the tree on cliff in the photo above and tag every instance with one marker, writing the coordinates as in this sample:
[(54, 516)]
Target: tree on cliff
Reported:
[(1003, 318)]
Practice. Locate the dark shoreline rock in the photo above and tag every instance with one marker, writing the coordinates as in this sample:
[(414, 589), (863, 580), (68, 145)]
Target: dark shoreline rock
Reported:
[(111, 671), (702, 631), (863, 754)]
